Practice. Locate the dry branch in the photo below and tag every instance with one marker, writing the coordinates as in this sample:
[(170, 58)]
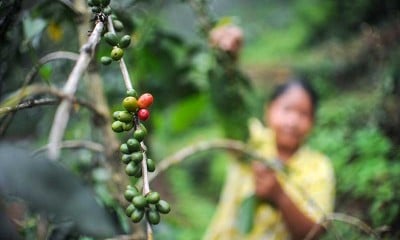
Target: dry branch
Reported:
[(62, 114)]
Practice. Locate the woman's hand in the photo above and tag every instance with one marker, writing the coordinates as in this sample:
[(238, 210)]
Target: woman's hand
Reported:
[(227, 38), (267, 186)]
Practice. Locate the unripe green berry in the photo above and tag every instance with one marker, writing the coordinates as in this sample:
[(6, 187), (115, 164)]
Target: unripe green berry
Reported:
[(127, 126), (137, 215), (139, 134), (130, 194), (163, 207), (132, 168), (131, 93), (126, 158), (124, 148), (117, 53), (153, 216), (125, 116), (96, 9), (124, 41), (152, 197), (107, 10), (111, 38), (116, 126), (106, 60), (139, 173), (137, 157), (133, 145), (129, 210), (139, 202), (151, 166), (118, 25), (130, 104)]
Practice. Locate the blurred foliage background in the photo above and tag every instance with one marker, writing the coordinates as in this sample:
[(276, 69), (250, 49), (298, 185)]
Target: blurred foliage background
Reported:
[(350, 50)]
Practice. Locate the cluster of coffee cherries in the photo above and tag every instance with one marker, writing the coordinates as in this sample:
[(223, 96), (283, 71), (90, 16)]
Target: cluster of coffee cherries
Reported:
[(100, 6), (118, 44), (134, 157), (149, 205)]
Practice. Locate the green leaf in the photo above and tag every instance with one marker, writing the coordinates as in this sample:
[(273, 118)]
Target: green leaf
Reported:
[(245, 220), (48, 187)]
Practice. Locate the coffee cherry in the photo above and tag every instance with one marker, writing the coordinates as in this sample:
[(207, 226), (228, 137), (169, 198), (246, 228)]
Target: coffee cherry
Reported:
[(131, 93), (130, 193), (117, 53), (152, 197), (133, 145), (139, 134), (137, 215), (130, 104), (143, 114), (117, 126), (116, 115), (96, 9), (126, 158), (124, 148), (118, 25), (163, 207), (111, 38), (137, 157), (125, 116), (124, 41), (106, 60), (153, 216), (131, 169), (139, 202), (151, 166), (129, 210), (127, 126), (139, 173), (107, 10), (145, 100)]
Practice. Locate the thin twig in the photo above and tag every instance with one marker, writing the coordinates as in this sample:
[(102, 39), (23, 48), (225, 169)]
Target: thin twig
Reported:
[(29, 104), (75, 144), (62, 114), (15, 99)]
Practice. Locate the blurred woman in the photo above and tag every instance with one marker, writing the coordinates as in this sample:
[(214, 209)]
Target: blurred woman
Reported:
[(291, 200)]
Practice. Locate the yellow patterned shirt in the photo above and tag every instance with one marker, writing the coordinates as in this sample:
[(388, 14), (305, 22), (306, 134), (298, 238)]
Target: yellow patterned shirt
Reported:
[(308, 180)]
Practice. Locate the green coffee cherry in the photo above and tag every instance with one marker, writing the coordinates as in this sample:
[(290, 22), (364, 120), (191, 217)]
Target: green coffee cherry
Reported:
[(117, 126), (137, 215), (118, 25), (132, 93), (116, 115), (137, 157), (139, 134), (127, 126), (131, 169), (124, 148), (153, 216), (106, 60), (163, 207), (151, 166), (96, 9), (117, 53), (139, 202), (152, 197), (130, 194), (139, 173), (129, 210), (111, 38), (107, 10), (133, 145), (130, 104), (126, 158), (124, 41), (125, 116)]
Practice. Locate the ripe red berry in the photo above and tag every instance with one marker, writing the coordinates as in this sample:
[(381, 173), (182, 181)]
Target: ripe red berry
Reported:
[(143, 114), (145, 100)]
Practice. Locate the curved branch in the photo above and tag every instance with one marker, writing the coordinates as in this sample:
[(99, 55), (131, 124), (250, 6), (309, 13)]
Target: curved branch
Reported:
[(62, 114), (75, 144), (29, 104), (224, 144)]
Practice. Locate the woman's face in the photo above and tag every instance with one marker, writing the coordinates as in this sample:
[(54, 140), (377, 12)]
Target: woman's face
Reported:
[(291, 117)]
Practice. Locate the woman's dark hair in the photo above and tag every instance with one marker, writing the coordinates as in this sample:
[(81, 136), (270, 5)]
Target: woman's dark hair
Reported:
[(299, 82)]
